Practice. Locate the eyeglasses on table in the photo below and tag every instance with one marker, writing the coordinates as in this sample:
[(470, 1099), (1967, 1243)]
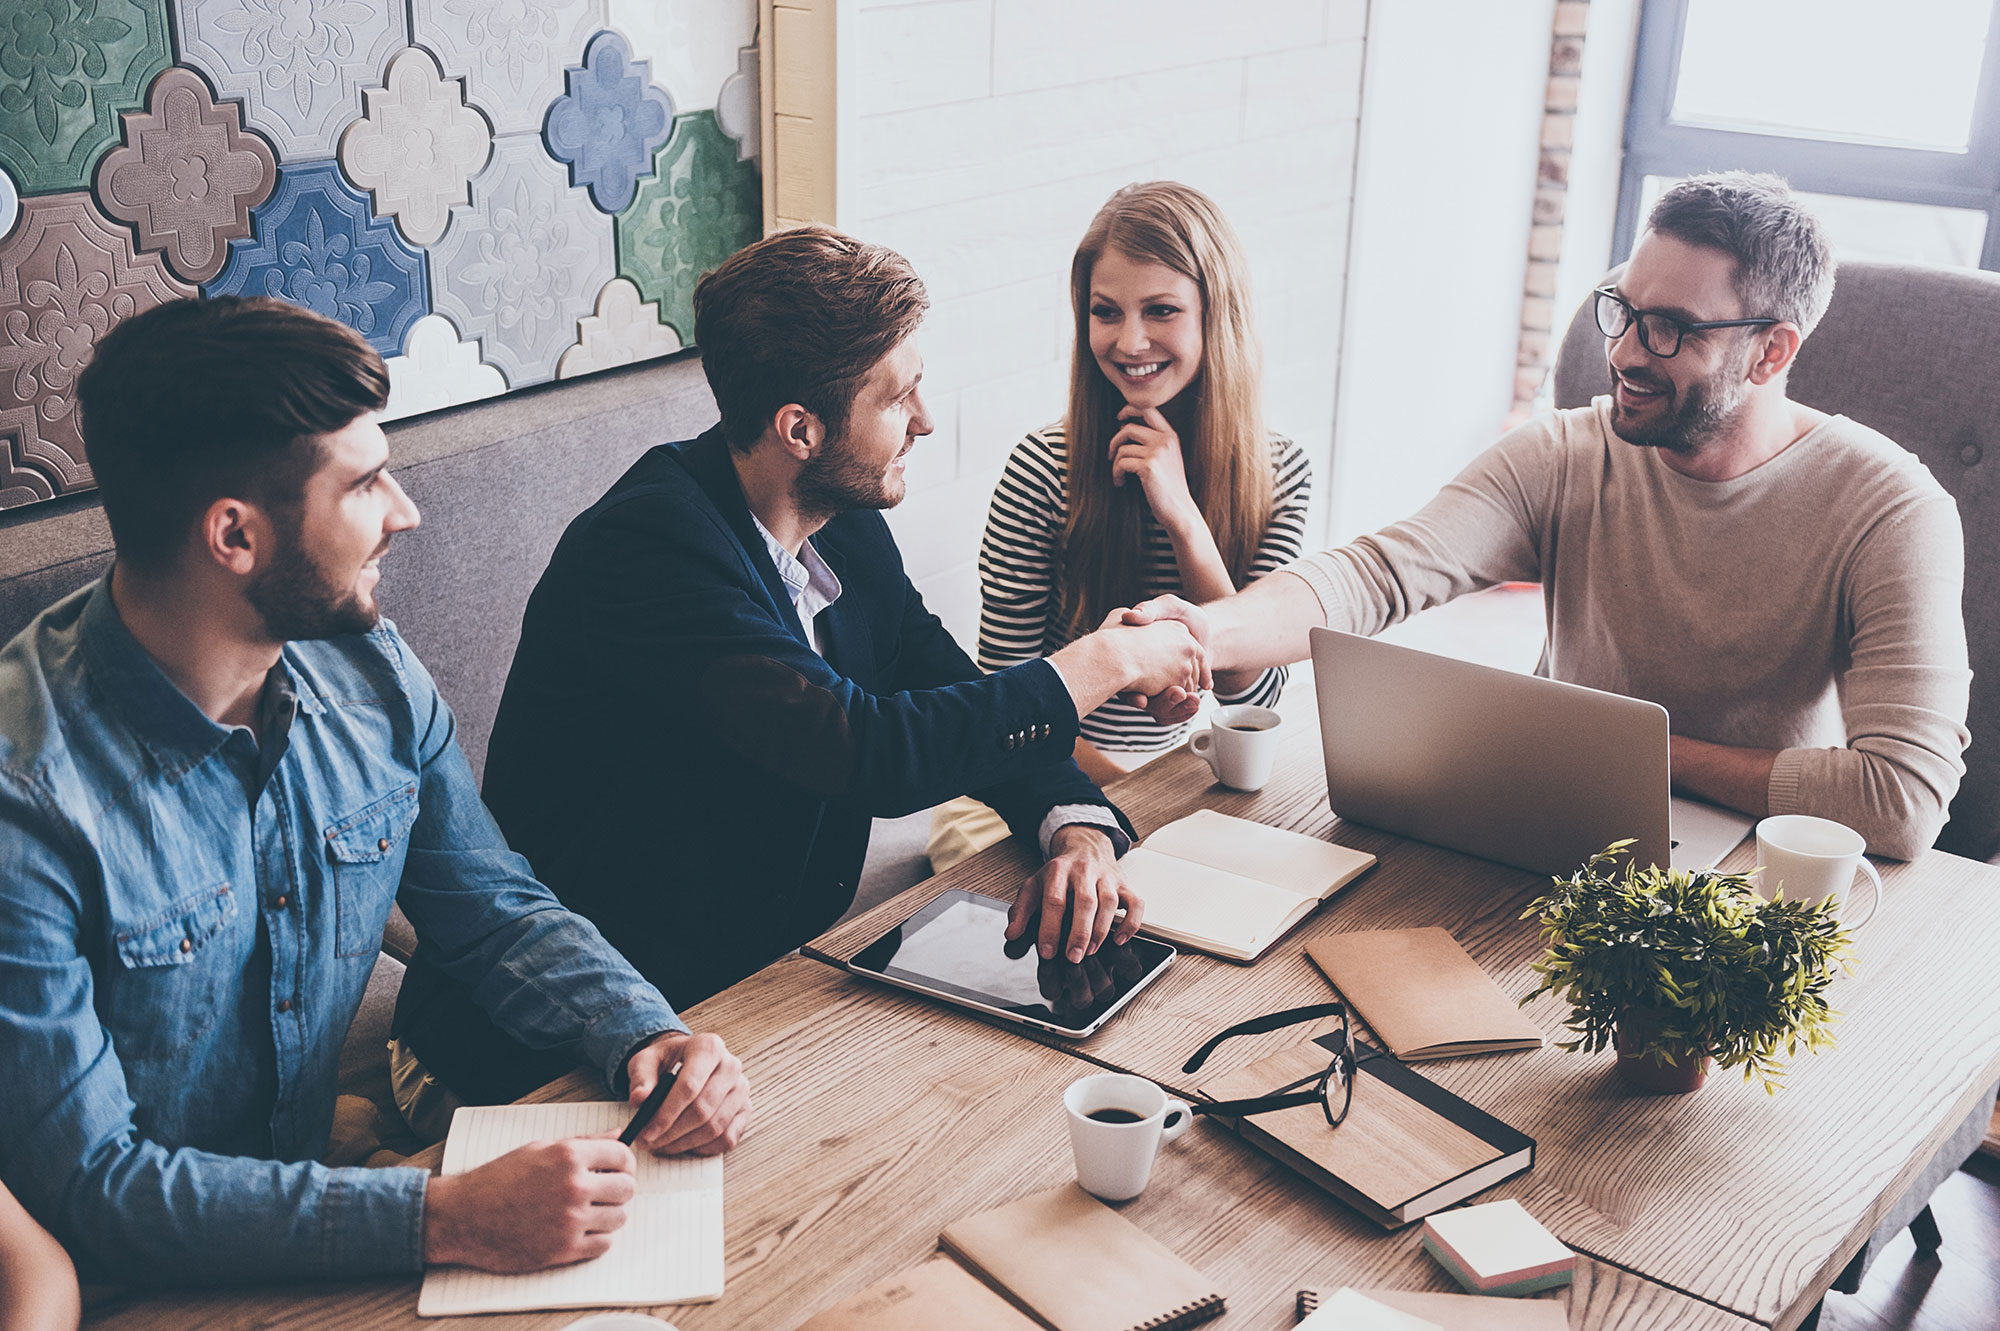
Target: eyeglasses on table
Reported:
[(1332, 1090)]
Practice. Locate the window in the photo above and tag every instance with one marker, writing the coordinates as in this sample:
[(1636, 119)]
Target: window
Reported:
[(1885, 116)]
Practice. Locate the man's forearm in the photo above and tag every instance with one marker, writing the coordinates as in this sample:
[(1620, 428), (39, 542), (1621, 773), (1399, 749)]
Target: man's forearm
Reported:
[(1266, 624), (1721, 774)]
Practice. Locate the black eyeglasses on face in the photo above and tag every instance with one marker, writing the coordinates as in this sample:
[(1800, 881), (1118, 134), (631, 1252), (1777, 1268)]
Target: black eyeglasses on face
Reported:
[(1332, 1090), (1659, 333)]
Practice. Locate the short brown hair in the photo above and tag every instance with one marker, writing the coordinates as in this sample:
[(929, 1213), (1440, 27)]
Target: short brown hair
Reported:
[(196, 399), (1784, 266), (801, 316)]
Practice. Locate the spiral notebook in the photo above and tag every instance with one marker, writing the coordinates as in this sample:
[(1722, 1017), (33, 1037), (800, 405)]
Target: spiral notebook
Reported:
[(670, 1250), (1077, 1265)]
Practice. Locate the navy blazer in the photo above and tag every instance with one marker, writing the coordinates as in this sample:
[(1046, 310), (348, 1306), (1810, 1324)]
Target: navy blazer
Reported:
[(680, 766)]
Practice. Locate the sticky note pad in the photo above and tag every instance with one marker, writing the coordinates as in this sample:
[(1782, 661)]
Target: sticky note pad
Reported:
[(1498, 1248)]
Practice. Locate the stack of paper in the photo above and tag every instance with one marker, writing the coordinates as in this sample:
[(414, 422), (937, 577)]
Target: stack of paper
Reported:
[(1498, 1248)]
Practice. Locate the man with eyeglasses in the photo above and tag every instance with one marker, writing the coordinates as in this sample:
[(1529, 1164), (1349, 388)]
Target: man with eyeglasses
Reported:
[(1785, 583)]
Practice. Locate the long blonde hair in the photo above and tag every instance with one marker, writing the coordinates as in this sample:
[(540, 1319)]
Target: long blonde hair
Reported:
[(1228, 457)]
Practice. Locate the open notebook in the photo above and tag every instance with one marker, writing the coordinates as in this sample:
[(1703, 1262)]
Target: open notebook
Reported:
[(1231, 887), (670, 1250)]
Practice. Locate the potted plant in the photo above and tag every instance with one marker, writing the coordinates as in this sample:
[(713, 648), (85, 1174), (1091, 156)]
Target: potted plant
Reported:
[(1683, 968)]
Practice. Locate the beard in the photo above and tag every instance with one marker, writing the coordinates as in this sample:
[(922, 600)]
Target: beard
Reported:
[(1699, 413), (838, 481), (299, 601)]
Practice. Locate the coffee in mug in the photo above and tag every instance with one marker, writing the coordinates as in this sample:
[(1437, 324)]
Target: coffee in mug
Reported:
[(1116, 1125), (1240, 745)]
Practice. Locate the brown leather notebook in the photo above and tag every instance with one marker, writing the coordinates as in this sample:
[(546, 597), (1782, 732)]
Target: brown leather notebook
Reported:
[(1077, 1265), (1420, 992), (1407, 1147), (938, 1293)]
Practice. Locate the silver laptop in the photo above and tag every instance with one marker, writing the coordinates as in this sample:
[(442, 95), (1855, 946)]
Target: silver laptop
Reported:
[(1530, 772)]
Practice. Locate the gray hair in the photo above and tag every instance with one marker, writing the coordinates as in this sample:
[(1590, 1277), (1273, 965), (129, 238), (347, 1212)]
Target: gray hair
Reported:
[(1784, 267)]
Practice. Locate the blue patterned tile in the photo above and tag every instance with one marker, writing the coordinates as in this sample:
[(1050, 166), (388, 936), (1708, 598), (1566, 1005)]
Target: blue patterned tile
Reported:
[(523, 265), (609, 123), (318, 245), (298, 65)]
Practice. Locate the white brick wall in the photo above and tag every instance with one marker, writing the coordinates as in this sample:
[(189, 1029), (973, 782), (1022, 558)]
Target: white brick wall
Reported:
[(978, 137)]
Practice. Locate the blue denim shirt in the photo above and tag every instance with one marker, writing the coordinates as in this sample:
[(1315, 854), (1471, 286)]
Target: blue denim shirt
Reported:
[(188, 921)]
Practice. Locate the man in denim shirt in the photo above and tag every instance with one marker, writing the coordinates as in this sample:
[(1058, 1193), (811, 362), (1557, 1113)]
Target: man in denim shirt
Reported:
[(218, 770)]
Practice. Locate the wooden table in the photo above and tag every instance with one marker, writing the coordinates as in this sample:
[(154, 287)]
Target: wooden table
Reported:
[(1749, 1203), (879, 1121)]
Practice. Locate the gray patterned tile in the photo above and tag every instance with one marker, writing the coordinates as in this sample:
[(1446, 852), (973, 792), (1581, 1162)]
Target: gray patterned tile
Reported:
[(738, 113), (624, 329), (511, 54), (418, 147), (187, 175), (298, 65), (524, 264), (67, 273), (10, 203)]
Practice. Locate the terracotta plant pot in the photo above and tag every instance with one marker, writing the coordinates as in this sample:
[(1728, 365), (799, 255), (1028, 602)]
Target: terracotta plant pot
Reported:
[(1683, 1070)]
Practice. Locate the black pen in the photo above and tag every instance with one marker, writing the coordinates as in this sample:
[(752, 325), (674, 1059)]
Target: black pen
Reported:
[(651, 1107)]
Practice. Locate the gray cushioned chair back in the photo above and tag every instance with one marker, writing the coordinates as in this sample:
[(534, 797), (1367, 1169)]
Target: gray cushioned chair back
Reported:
[(1915, 353), (497, 482)]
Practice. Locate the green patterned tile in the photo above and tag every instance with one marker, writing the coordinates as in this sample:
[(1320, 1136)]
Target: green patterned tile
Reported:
[(67, 68), (700, 207)]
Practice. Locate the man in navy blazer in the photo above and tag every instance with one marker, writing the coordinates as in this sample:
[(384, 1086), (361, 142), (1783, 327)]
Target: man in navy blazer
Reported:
[(725, 675)]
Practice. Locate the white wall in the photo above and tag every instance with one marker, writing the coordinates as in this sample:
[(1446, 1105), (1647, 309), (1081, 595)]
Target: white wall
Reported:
[(978, 137), (1450, 145)]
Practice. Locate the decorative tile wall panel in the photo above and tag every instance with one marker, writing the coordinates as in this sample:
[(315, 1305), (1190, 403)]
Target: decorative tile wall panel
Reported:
[(318, 245), (511, 53), (187, 176), (701, 206), (691, 43), (609, 123), (67, 273), (418, 147), (623, 330), (493, 192), (298, 65), (67, 68), (436, 370), (520, 267)]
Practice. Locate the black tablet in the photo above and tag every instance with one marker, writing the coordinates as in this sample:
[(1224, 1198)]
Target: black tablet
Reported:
[(955, 949)]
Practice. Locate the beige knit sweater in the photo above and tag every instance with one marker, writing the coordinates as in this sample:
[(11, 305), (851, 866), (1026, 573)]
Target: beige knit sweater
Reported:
[(1811, 606)]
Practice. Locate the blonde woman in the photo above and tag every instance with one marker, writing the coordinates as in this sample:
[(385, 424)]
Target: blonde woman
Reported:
[(1160, 477)]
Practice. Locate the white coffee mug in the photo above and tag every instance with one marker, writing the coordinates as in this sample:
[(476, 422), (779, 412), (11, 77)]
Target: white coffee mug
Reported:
[(1114, 1152), (1239, 745), (1811, 858)]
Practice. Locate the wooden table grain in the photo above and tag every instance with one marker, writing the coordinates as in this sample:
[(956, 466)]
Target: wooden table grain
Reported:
[(878, 1123), (1747, 1202)]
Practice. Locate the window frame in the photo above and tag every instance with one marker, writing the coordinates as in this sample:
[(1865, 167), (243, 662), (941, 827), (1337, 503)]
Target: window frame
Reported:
[(1656, 145)]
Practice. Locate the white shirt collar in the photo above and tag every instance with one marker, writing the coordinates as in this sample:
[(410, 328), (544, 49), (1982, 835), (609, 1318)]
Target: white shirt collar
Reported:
[(811, 584)]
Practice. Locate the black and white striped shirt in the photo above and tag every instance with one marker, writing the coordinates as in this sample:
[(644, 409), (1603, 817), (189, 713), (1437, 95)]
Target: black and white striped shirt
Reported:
[(1018, 618)]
